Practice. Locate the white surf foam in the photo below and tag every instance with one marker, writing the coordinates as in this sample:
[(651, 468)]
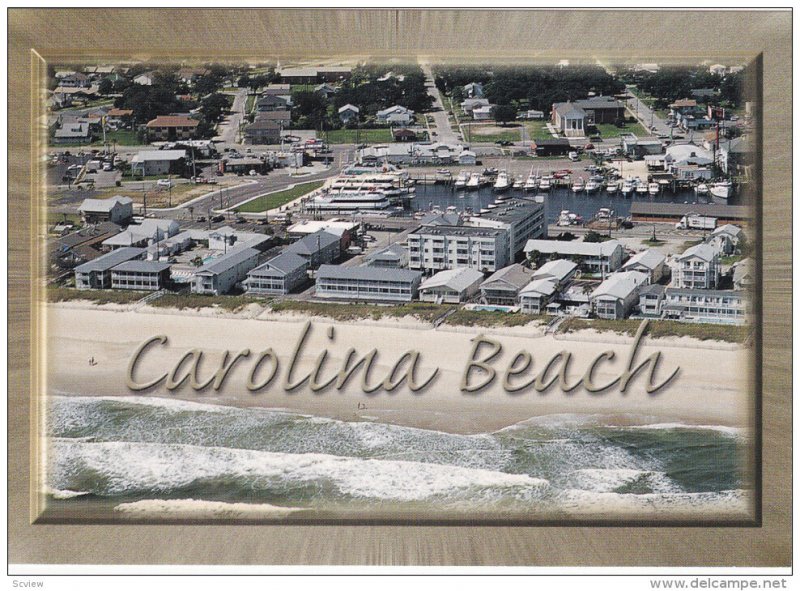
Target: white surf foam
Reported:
[(196, 508)]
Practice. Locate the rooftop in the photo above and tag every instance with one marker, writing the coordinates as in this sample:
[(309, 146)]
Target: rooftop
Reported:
[(172, 121), (455, 279), (313, 242), (226, 261), (367, 273), (515, 275), (681, 209), (111, 259), (605, 249), (284, 263), (103, 205), (142, 266), (447, 230), (620, 285)]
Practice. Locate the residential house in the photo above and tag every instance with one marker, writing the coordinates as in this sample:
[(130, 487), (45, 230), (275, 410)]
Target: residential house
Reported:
[(145, 79), (560, 270), (503, 286), (394, 256), (278, 276), (452, 286), (96, 274), (221, 274), (171, 128), (318, 248), (117, 209), (348, 113), (190, 75), (569, 119), (282, 118), (403, 134), (373, 284), (698, 268), (150, 231), (263, 131), (470, 104), (594, 257), (725, 239), (616, 296), (717, 69), (439, 247), (744, 276), (73, 133), (735, 157), (271, 102), (535, 297), (158, 162), (326, 90), (473, 90), (650, 262), (651, 300), (75, 80), (706, 305), (483, 113), (140, 275), (281, 90), (120, 117), (395, 115)]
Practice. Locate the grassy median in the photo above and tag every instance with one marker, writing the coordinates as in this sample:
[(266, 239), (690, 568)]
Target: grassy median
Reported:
[(274, 200)]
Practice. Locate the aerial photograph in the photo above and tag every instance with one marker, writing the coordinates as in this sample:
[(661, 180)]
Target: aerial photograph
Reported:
[(388, 290)]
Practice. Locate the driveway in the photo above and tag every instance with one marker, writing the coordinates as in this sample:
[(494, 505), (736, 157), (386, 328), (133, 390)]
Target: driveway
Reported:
[(443, 131), (229, 128)]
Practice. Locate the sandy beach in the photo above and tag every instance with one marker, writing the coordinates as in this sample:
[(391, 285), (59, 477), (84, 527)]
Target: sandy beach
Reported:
[(711, 387)]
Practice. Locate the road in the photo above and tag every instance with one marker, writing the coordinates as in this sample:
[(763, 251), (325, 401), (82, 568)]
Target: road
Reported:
[(444, 133), (646, 116), (229, 128)]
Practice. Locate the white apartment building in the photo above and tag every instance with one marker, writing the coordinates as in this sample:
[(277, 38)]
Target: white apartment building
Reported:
[(523, 219), (698, 268), (442, 247), (706, 305)]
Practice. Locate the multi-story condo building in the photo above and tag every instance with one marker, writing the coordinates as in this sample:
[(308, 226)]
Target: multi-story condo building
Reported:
[(706, 305), (96, 274), (616, 296), (140, 275), (221, 274), (523, 219), (698, 268), (435, 248), (367, 283)]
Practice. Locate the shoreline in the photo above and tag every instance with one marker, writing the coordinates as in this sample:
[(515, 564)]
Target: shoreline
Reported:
[(695, 399)]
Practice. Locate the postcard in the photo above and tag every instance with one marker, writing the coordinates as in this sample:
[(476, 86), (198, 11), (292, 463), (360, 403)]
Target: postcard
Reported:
[(398, 290)]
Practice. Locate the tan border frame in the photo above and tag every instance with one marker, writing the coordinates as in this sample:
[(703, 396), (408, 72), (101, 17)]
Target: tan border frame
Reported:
[(456, 35)]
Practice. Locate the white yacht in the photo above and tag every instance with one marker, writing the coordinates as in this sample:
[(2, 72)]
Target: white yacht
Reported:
[(578, 185), (654, 188), (503, 181), (349, 201), (592, 186), (641, 186), (461, 179), (563, 218), (612, 187), (722, 189), (701, 189), (545, 182), (627, 186), (604, 214), (474, 181), (532, 182)]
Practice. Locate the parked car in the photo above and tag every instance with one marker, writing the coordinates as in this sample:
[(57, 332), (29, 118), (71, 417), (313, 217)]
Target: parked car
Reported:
[(164, 183), (218, 218)]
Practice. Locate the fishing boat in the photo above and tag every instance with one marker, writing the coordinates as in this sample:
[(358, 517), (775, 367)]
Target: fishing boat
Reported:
[(641, 186), (461, 179), (627, 186), (592, 186), (604, 214), (544, 183), (701, 189), (503, 182), (612, 187), (491, 206), (653, 188), (519, 183), (532, 182), (452, 209), (474, 181), (563, 218), (721, 189), (578, 185)]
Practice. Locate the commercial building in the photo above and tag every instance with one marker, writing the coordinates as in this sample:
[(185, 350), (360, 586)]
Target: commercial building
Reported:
[(117, 209), (158, 162), (278, 276), (96, 274), (523, 219), (439, 247), (503, 286), (367, 283), (698, 268), (594, 257), (552, 147), (615, 297), (140, 275), (452, 286)]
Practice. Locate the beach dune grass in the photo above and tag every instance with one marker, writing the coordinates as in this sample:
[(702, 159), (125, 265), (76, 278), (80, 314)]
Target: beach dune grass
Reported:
[(279, 198), (345, 312), (96, 296), (195, 301), (662, 328), (486, 318)]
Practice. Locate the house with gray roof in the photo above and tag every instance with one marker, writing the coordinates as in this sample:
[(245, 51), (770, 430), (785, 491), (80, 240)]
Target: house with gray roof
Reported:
[(706, 305), (744, 276), (117, 209), (140, 275), (222, 273), (318, 248), (278, 276), (561, 270), (503, 286), (615, 297), (650, 262), (651, 299), (725, 239), (371, 284), (698, 268), (72, 133), (348, 113), (593, 257), (96, 274), (452, 286), (394, 256), (535, 297), (569, 119)]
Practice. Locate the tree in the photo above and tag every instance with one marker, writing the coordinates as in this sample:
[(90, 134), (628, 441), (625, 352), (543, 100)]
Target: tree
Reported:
[(105, 86), (207, 84), (243, 81), (592, 236), (504, 113), (214, 107)]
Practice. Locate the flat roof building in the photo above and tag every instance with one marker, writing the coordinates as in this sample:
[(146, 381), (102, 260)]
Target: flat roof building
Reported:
[(439, 247), (523, 219), (595, 257)]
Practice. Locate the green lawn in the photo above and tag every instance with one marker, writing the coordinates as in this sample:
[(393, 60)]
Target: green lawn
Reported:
[(651, 242), (250, 103), (609, 130), (662, 328), (274, 200), (537, 130), (358, 136), (510, 134), (123, 137)]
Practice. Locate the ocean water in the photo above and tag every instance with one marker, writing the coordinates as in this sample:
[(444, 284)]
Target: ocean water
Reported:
[(128, 449)]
